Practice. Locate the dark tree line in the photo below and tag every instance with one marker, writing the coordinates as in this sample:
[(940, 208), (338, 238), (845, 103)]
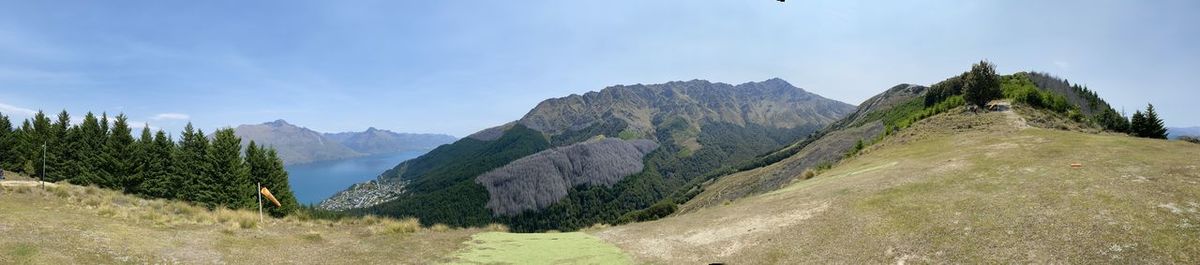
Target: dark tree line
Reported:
[(213, 173)]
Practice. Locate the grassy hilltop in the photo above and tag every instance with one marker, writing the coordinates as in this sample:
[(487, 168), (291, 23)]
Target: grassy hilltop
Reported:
[(957, 188)]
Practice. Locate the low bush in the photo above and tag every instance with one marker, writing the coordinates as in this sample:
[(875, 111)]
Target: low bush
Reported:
[(654, 212), (809, 174)]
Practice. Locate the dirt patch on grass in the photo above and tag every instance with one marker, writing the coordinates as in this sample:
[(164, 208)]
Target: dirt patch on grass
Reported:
[(719, 237)]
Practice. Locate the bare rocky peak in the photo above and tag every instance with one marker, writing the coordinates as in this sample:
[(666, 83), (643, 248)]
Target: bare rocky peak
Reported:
[(773, 103)]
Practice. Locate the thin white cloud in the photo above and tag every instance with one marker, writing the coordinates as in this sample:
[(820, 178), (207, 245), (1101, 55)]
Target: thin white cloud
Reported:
[(171, 116), (1062, 64), (11, 110)]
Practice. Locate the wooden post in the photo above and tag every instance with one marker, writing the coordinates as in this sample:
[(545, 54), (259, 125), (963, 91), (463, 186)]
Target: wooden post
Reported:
[(259, 192)]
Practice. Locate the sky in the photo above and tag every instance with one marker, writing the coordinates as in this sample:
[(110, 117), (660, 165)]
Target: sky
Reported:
[(457, 67)]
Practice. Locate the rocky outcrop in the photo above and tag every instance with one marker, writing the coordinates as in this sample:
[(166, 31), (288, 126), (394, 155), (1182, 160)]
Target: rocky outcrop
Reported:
[(536, 181)]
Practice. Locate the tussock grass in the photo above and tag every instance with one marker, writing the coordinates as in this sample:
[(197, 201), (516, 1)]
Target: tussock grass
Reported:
[(494, 227), (439, 228), (155, 230), (312, 236), (393, 226)]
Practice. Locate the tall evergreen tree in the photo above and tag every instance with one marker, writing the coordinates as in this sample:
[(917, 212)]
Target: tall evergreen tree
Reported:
[(118, 154), (141, 161), (7, 144), (88, 146), (1137, 124), (230, 184), (191, 165), (18, 153), (277, 182), (267, 170), (60, 161), (41, 136), (158, 177), (1154, 127)]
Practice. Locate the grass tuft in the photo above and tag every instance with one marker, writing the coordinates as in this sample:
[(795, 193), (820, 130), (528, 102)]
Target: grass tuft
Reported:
[(405, 226), (440, 228), (494, 227)]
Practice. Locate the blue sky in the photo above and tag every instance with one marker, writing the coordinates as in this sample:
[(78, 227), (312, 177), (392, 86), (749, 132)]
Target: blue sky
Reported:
[(460, 66)]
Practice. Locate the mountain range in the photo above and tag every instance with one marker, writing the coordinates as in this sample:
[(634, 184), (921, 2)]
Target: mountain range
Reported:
[(1176, 132), (299, 145), (673, 133)]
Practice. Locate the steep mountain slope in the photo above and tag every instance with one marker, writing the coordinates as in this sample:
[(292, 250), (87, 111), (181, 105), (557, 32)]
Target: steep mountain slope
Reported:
[(376, 141), (698, 126), (295, 144), (823, 148), (880, 115), (956, 188)]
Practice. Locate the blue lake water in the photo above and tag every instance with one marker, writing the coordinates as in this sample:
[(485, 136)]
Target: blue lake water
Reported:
[(317, 181)]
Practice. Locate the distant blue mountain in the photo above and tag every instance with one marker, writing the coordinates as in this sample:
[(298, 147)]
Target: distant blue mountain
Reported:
[(1175, 133)]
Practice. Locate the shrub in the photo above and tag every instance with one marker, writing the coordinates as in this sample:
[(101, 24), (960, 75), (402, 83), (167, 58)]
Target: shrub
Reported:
[(654, 212), (809, 173), (981, 84)]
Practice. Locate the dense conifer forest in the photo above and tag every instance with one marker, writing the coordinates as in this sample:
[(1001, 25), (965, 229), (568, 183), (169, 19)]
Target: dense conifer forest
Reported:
[(213, 172)]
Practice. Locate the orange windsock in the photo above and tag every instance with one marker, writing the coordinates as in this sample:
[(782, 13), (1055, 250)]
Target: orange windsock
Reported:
[(267, 193)]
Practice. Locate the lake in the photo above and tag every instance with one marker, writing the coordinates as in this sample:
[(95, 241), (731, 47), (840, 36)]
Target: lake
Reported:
[(313, 182)]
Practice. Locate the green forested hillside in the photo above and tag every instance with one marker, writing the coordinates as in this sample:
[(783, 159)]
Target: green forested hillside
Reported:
[(699, 126), (212, 173)]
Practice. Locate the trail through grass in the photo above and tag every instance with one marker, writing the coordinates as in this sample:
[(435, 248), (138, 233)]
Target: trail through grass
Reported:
[(542, 248)]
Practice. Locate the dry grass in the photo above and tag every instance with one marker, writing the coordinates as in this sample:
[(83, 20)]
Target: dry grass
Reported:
[(957, 189), (102, 226), (496, 228), (439, 228)]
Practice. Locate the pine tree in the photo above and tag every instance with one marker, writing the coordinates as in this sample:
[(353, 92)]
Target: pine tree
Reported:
[(191, 166), (141, 161), (20, 142), (88, 147), (981, 84), (118, 154), (1154, 127), (158, 178), (267, 170), (1137, 124), (277, 182), (40, 137), (59, 160), (230, 184), (7, 144)]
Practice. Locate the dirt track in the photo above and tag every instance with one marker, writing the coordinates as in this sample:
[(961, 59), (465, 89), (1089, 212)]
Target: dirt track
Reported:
[(24, 183)]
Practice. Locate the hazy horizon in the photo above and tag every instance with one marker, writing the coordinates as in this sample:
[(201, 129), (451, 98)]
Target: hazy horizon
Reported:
[(456, 68)]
